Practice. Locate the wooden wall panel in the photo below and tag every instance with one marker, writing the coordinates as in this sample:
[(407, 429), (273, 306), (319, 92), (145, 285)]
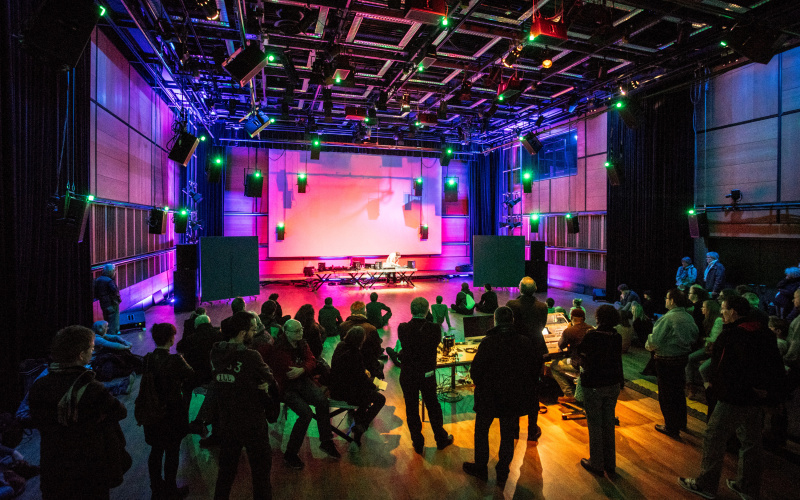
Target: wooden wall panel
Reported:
[(559, 191), (790, 157), (743, 94), (112, 78), (597, 183), (577, 188), (92, 144), (790, 83), (141, 105), (140, 178), (112, 157), (596, 135)]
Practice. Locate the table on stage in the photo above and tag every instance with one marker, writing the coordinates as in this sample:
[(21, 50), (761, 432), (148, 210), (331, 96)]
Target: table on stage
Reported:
[(364, 277)]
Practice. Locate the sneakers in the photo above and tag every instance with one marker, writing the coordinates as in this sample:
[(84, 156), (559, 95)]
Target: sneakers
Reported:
[(446, 443), (588, 466), (735, 488), (690, 484), (330, 448), (663, 430), (475, 470), (293, 462)]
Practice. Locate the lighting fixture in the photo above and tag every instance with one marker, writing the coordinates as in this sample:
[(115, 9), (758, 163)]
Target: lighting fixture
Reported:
[(302, 182), (534, 222), (531, 143), (527, 182), (547, 62), (209, 8)]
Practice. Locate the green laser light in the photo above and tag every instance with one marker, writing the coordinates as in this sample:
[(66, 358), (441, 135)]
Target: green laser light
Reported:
[(272, 120), (338, 80)]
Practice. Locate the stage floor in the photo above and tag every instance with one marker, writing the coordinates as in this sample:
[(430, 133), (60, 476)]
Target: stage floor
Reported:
[(386, 467)]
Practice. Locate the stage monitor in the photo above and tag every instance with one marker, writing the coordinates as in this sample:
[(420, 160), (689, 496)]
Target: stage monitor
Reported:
[(477, 326), (498, 260)]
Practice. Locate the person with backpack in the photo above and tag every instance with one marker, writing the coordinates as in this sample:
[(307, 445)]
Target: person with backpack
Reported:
[(465, 301), (167, 420)]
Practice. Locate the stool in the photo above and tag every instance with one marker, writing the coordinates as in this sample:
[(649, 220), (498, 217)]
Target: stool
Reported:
[(337, 408)]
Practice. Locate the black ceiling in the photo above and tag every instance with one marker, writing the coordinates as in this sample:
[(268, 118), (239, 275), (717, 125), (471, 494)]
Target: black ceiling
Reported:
[(635, 45)]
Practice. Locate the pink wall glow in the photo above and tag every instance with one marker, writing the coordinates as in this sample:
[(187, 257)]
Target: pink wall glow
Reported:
[(354, 205)]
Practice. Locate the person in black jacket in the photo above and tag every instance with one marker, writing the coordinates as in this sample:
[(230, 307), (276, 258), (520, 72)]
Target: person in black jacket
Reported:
[(352, 382), (330, 318), (505, 388), (714, 274), (600, 358), (747, 374), (461, 301), (420, 340), (106, 291), (488, 302), (171, 372)]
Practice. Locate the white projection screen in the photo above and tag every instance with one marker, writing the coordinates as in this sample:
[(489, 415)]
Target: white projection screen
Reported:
[(354, 205)]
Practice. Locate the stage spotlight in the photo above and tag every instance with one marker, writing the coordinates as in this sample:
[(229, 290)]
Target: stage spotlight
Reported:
[(527, 182), (418, 186), (614, 172), (423, 232), (515, 225), (446, 155), (405, 102), (316, 147), (245, 63), (253, 184), (257, 122), (280, 231), (302, 182), (441, 113), (181, 220), (573, 226), (547, 62), (572, 103), (630, 111), (531, 143), (209, 7), (534, 222), (510, 202), (451, 189)]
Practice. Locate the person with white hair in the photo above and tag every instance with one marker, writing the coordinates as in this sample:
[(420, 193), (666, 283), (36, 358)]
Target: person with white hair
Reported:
[(714, 275), (106, 291)]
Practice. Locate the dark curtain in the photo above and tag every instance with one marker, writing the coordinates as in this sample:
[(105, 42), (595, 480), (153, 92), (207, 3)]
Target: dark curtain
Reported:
[(484, 193), (47, 283), (647, 227), (210, 210)]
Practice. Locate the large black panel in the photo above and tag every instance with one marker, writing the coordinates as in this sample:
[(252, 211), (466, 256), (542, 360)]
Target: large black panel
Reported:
[(186, 257), (185, 290), (537, 250), (538, 271), (498, 260)]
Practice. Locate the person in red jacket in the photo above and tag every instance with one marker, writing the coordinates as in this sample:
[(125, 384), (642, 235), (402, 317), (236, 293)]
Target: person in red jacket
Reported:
[(292, 364)]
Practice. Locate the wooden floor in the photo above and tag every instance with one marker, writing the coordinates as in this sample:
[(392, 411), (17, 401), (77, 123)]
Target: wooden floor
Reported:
[(386, 467)]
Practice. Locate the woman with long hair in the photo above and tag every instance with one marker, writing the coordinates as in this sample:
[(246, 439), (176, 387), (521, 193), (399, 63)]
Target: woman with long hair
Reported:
[(711, 328), (312, 331), (642, 325), (698, 295)]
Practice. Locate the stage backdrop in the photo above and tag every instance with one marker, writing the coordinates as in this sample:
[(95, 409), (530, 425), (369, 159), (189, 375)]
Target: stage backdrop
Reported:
[(354, 204)]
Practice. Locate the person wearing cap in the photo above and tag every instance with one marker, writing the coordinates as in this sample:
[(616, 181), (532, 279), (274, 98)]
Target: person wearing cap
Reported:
[(106, 291), (686, 275)]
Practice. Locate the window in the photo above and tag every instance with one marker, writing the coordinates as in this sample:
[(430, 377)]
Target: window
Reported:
[(557, 158)]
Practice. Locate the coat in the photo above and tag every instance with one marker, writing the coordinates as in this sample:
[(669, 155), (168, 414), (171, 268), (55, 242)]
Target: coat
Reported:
[(349, 380), (171, 372)]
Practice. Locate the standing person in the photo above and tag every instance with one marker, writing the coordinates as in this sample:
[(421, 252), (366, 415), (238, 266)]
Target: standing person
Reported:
[(329, 318), (505, 387), (686, 275), (571, 338), (171, 373), (241, 380), (530, 318), (488, 302), (106, 291), (747, 374), (465, 301), (714, 275), (600, 355), (352, 382), (673, 337), (82, 445), (375, 314), (420, 340)]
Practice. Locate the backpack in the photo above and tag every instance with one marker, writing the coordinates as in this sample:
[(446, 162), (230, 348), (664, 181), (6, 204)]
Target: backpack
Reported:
[(148, 409), (470, 302)]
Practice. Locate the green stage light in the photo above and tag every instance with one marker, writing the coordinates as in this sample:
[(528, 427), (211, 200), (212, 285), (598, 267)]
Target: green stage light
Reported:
[(420, 68), (608, 164), (534, 216), (301, 175), (526, 175), (166, 209), (90, 197), (691, 211), (451, 182), (270, 57), (183, 212), (619, 104), (501, 98), (568, 216), (723, 43), (418, 123), (366, 119), (102, 11), (445, 22), (272, 120), (338, 80), (419, 180), (257, 174), (316, 142), (280, 225), (531, 37), (449, 151), (202, 138), (218, 160)]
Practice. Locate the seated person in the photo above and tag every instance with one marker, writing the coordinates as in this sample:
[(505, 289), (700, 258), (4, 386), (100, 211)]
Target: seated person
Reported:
[(650, 306), (312, 331), (642, 325), (279, 316), (755, 305), (292, 364), (570, 340), (237, 305), (371, 350), (104, 341), (626, 297), (561, 310), (465, 301), (329, 318), (625, 329), (551, 305), (440, 313), (352, 382), (269, 310), (780, 327), (188, 323), (196, 349), (488, 302), (577, 304), (375, 313)]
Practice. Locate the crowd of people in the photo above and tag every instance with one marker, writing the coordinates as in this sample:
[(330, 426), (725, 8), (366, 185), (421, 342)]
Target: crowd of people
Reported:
[(711, 341)]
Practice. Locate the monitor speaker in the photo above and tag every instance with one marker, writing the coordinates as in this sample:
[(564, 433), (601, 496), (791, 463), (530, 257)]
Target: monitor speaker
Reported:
[(185, 290), (573, 226), (698, 225), (537, 251), (186, 257), (538, 271)]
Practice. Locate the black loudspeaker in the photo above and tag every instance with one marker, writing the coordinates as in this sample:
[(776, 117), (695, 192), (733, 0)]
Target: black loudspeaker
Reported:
[(253, 185), (423, 232), (630, 112), (59, 31), (186, 257), (537, 251), (573, 226), (185, 290), (183, 149), (451, 189), (698, 225), (531, 143), (181, 220), (157, 223), (308, 271), (245, 63), (538, 271), (757, 43), (74, 216)]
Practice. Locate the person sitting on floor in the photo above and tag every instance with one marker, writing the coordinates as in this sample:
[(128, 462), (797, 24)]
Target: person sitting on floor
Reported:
[(371, 349), (488, 302), (465, 301), (352, 382), (642, 325), (375, 313), (561, 369), (625, 329), (577, 304), (330, 318), (626, 297), (268, 311), (237, 305), (188, 323), (780, 327), (279, 317), (440, 313), (196, 349), (312, 331), (292, 364), (104, 341)]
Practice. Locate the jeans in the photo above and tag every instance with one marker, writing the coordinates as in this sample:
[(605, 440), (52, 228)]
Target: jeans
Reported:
[(300, 395), (412, 385), (693, 366), (111, 314), (509, 429), (170, 453), (558, 369), (259, 454), (671, 397), (599, 403), (747, 422)]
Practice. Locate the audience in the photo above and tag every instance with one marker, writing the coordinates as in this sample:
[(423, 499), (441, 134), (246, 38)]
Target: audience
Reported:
[(551, 305), (312, 331), (488, 302), (786, 289), (642, 325), (571, 338), (505, 388), (269, 310), (780, 327), (627, 297), (170, 373), (440, 313), (352, 382), (279, 317), (237, 305), (711, 328), (465, 301), (104, 341), (196, 349), (375, 314), (188, 323), (698, 296), (577, 304), (329, 318), (651, 309), (371, 350), (625, 328)]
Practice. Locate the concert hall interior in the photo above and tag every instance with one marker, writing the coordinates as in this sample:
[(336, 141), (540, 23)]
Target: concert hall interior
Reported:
[(161, 156)]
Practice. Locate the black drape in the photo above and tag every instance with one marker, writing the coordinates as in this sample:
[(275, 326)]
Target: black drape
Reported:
[(47, 282), (647, 228), (484, 193)]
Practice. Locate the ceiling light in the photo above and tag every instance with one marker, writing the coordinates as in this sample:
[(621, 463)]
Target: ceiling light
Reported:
[(209, 8), (547, 63)]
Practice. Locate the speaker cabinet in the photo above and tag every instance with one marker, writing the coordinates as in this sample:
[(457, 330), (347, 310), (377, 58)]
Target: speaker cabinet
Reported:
[(186, 257), (253, 185), (538, 271), (698, 225), (157, 223), (59, 31), (183, 149), (573, 226), (245, 63), (132, 320), (74, 215), (537, 251), (185, 290)]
